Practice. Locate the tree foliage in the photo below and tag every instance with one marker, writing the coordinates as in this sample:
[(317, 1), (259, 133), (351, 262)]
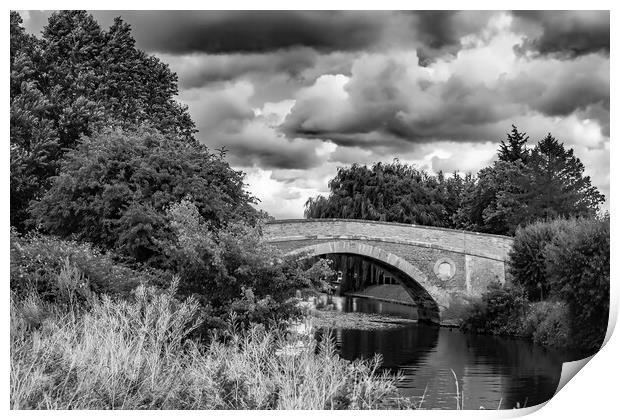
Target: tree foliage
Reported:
[(113, 190), (521, 187), (555, 185), (548, 323), (393, 192), (233, 269), (547, 183), (491, 202), (578, 268), (76, 80), (500, 311), (569, 260), (514, 148), (103, 157), (527, 257)]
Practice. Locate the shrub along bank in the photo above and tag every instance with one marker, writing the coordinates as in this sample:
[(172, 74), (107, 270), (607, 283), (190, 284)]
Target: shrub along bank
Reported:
[(559, 292), (237, 272), (88, 332)]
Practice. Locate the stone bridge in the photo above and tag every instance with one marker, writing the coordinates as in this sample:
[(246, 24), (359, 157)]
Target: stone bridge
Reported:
[(441, 269)]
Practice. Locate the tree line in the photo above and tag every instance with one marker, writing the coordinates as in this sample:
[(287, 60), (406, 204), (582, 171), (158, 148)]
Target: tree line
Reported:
[(522, 186), (107, 176)]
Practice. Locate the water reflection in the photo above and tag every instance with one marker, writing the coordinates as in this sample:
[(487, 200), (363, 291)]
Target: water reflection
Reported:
[(490, 370), (354, 304)]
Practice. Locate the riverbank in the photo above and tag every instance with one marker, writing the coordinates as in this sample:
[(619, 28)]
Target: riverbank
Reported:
[(133, 354), (330, 318)]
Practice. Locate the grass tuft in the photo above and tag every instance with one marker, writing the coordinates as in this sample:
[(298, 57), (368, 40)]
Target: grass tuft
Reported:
[(135, 354)]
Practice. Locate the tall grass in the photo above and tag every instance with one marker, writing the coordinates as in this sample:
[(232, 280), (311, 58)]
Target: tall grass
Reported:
[(135, 354)]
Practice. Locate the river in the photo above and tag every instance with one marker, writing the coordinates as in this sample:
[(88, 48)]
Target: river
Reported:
[(491, 371)]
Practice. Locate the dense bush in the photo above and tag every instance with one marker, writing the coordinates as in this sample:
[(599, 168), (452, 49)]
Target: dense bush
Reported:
[(503, 310), (500, 310), (133, 354), (578, 269), (229, 269), (528, 262), (114, 189), (233, 269), (37, 261), (570, 258), (547, 323)]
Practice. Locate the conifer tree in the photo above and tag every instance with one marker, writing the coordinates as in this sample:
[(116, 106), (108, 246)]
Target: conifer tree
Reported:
[(513, 149), (556, 185)]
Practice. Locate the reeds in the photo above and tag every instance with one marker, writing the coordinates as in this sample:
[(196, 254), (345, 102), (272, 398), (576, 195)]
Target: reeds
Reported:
[(459, 396), (136, 355)]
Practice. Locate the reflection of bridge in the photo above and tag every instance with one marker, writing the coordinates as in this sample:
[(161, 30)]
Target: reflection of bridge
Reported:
[(438, 267)]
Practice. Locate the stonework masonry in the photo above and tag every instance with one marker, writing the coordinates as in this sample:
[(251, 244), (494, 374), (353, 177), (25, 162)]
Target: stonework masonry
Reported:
[(472, 243), (475, 259)]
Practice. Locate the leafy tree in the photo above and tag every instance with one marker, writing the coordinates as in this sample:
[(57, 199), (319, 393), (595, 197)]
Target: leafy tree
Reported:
[(23, 53), (33, 145), (393, 192), (528, 258), (72, 50), (78, 79), (578, 267), (114, 189), (548, 184), (101, 79), (33, 136), (491, 202), (451, 191)]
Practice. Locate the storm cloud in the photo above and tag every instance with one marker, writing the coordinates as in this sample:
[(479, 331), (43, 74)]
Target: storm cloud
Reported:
[(220, 32), (432, 32), (180, 32), (566, 33), (390, 96), (293, 95)]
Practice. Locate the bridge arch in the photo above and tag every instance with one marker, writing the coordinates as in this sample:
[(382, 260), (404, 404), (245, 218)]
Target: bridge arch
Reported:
[(447, 266), (429, 298)]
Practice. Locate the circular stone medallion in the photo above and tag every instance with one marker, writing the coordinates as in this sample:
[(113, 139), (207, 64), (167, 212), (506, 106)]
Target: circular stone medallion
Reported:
[(444, 268)]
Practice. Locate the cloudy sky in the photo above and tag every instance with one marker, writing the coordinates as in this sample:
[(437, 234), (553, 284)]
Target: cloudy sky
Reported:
[(295, 95)]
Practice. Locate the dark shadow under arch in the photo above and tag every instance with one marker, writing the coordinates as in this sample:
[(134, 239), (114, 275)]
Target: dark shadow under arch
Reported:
[(427, 296)]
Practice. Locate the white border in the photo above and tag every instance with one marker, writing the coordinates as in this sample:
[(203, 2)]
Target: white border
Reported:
[(593, 394)]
